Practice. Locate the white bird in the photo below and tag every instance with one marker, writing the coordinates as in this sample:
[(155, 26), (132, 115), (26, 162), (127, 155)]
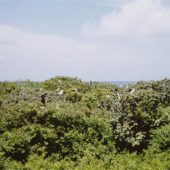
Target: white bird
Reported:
[(118, 95), (60, 92), (132, 91)]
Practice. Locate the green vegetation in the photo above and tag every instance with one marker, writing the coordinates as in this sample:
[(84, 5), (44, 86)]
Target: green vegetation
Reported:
[(84, 126)]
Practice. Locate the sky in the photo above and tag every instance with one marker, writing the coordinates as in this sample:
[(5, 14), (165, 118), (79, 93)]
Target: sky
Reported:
[(98, 40)]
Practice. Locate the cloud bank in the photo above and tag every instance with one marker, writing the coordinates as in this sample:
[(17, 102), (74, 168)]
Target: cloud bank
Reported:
[(138, 18), (38, 56), (127, 44)]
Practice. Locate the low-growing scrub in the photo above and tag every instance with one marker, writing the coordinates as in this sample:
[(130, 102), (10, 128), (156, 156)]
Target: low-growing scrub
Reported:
[(65, 123)]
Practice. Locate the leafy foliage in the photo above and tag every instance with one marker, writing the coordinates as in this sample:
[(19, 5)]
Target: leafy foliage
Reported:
[(83, 125), (160, 139), (138, 113)]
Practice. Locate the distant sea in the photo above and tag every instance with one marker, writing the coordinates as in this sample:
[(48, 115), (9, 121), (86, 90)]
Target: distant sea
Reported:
[(120, 83)]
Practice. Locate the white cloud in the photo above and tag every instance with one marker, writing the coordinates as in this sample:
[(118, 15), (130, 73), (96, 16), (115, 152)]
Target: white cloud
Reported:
[(135, 19), (39, 56), (119, 54)]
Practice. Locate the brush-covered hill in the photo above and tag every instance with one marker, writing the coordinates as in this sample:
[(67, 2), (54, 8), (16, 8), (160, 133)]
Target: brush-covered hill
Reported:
[(65, 123)]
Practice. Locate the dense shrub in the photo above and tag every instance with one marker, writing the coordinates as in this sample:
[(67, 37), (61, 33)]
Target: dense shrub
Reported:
[(137, 114), (160, 140), (84, 125)]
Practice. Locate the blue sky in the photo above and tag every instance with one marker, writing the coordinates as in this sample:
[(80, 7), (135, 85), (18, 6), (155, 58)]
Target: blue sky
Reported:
[(64, 17), (101, 40)]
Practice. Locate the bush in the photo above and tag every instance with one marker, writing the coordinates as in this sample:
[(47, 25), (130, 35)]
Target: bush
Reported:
[(137, 114), (84, 125), (160, 140)]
